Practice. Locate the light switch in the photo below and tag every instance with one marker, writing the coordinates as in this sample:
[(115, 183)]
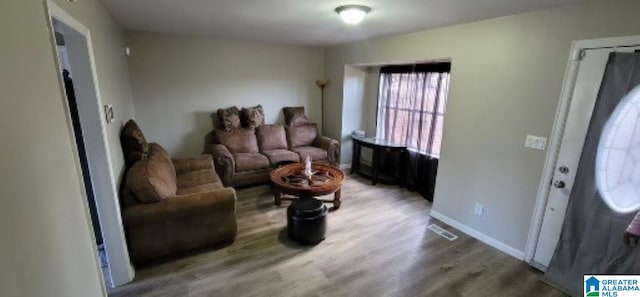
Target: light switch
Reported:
[(108, 113), (536, 142)]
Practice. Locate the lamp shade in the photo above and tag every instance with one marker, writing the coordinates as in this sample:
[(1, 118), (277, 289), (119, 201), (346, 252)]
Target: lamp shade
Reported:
[(353, 14)]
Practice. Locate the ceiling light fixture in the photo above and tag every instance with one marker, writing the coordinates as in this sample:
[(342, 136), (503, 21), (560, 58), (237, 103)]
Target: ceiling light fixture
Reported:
[(353, 14)]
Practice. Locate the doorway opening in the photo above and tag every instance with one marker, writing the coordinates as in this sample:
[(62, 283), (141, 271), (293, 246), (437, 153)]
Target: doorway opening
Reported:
[(87, 122), (67, 72)]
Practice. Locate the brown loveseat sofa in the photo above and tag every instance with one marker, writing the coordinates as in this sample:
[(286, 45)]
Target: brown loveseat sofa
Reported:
[(170, 206), (245, 156)]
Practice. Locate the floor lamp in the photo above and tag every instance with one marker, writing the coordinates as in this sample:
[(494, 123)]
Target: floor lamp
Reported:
[(322, 83)]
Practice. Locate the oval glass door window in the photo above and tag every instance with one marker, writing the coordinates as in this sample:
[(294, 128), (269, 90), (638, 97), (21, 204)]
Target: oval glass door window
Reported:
[(618, 156)]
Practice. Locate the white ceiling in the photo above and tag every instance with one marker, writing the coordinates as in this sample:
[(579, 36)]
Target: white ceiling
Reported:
[(307, 22)]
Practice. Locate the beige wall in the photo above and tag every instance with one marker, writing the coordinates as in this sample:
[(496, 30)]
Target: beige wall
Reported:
[(370, 111), (178, 81), (361, 93), (47, 248), (505, 83), (354, 103)]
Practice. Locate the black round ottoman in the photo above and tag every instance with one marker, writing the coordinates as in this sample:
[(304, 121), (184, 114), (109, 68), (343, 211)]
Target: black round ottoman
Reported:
[(307, 220)]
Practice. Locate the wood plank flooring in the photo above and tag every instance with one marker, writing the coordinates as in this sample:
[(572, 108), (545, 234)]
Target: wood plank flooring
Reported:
[(377, 244)]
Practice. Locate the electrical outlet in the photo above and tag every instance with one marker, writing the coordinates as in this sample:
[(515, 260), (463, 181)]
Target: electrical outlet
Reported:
[(478, 210), (535, 142)]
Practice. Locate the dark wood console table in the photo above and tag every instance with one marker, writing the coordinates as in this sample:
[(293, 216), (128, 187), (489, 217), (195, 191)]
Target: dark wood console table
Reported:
[(380, 149)]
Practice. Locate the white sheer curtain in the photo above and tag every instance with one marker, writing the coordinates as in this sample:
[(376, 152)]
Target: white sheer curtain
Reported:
[(411, 105)]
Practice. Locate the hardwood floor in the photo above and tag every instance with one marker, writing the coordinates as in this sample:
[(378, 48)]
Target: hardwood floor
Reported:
[(377, 244)]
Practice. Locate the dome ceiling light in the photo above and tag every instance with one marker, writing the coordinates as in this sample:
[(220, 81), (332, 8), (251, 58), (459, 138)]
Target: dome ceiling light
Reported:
[(353, 14)]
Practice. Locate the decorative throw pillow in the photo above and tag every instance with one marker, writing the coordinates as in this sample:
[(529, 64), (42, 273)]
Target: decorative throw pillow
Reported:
[(299, 119), (134, 145), (153, 178), (303, 135), (253, 116), (229, 118), (290, 112)]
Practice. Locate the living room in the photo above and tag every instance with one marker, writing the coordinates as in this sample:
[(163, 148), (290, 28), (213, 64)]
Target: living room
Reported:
[(507, 77)]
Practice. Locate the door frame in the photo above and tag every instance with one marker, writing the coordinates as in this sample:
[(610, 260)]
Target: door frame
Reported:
[(559, 123), (120, 269)]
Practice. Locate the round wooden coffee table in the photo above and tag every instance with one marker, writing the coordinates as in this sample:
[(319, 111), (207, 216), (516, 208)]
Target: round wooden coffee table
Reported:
[(290, 180)]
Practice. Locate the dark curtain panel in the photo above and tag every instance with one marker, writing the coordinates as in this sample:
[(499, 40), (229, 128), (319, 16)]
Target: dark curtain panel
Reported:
[(411, 108), (591, 237), (420, 173)]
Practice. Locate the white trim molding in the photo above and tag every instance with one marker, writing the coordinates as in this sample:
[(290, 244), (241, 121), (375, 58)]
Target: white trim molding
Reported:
[(507, 249)]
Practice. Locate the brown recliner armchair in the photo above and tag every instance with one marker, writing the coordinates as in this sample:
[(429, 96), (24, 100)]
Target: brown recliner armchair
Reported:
[(170, 206)]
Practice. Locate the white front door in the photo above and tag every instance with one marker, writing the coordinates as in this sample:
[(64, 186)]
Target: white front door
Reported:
[(585, 91)]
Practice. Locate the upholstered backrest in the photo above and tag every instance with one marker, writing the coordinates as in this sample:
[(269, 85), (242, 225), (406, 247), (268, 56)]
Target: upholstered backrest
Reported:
[(290, 113), (271, 137), (238, 140), (302, 135), (152, 179), (134, 144)]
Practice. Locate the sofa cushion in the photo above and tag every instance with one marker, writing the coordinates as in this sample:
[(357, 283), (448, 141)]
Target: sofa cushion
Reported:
[(316, 154), (303, 135), (271, 137), (253, 116), (203, 188), (290, 112), (196, 178), (238, 140), (154, 178), (278, 156), (134, 145), (229, 118), (250, 161)]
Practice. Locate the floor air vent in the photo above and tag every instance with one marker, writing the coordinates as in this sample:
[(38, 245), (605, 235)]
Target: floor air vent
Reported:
[(444, 233)]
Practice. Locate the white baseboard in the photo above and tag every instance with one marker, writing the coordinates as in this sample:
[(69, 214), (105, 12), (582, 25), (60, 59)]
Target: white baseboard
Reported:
[(538, 266), (479, 235)]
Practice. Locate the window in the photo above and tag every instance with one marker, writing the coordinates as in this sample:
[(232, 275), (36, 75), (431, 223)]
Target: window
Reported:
[(618, 156), (411, 105)]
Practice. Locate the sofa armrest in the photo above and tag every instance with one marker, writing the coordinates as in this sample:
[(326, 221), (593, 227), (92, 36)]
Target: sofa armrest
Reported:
[(184, 165), (330, 145), (181, 208), (225, 165)]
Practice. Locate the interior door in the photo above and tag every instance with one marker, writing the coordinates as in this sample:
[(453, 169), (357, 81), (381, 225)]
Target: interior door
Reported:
[(587, 85)]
